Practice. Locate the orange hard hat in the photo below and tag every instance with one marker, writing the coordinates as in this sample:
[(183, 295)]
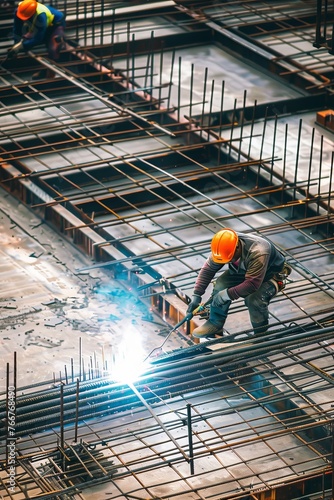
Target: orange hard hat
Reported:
[(26, 9), (223, 246)]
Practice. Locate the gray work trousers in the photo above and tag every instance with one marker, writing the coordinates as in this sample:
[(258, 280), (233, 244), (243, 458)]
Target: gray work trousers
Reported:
[(257, 302)]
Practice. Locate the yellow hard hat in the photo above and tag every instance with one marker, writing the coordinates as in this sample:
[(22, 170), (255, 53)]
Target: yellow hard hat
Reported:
[(26, 9), (223, 245)]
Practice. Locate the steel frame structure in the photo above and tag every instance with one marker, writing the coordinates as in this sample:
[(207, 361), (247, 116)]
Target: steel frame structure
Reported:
[(115, 157)]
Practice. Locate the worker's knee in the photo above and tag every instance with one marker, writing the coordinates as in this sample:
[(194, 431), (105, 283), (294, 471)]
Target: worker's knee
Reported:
[(260, 299)]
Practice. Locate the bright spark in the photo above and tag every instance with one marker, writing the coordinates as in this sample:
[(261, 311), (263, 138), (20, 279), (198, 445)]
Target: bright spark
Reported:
[(128, 358)]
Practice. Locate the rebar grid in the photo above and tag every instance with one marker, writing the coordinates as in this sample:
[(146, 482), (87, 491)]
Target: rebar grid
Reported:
[(102, 25), (157, 204), (247, 413), (141, 179)]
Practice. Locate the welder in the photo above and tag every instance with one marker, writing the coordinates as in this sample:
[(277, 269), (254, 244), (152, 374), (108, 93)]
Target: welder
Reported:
[(256, 272), (35, 24)]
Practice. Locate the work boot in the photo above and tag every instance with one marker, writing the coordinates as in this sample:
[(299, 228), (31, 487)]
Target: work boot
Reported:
[(43, 74), (50, 73), (260, 327), (208, 329), (39, 75)]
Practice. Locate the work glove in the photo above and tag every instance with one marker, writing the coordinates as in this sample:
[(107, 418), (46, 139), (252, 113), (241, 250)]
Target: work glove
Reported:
[(221, 298), (13, 51), (195, 302)]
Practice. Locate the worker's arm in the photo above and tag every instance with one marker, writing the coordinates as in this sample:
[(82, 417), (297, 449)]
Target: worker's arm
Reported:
[(203, 280), (206, 275), (255, 272), (17, 29), (38, 35), (13, 51)]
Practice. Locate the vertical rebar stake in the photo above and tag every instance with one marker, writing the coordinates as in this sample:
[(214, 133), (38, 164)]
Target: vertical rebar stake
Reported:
[(330, 194), (221, 118), (133, 60), (325, 19), (297, 164), (92, 9), (320, 172), (211, 105), (262, 145), (233, 121), (309, 171), (152, 66), (171, 78), (191, 91), (102, 25), (76, 412), (85, 24), (179, 91), (204, 99), (284, 159), (77, 24), (128, 45), (80, 356), (190, 439), (62, 424), (91, 369), (160, 75), (241, 122), (252, 130), (273, 151), (318, 39)]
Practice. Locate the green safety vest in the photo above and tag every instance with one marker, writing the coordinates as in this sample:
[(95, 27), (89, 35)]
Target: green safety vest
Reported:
[(40, 10)]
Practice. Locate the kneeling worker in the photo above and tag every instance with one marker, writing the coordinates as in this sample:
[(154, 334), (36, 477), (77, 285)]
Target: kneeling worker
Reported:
[(35, 24), (256, 273)]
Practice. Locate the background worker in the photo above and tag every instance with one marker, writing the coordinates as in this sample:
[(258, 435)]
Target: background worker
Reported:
[(35, 24), (256, 272)]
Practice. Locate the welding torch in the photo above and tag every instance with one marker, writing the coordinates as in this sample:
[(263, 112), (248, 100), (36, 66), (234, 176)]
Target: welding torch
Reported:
[(188, 317), (199, 309)]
